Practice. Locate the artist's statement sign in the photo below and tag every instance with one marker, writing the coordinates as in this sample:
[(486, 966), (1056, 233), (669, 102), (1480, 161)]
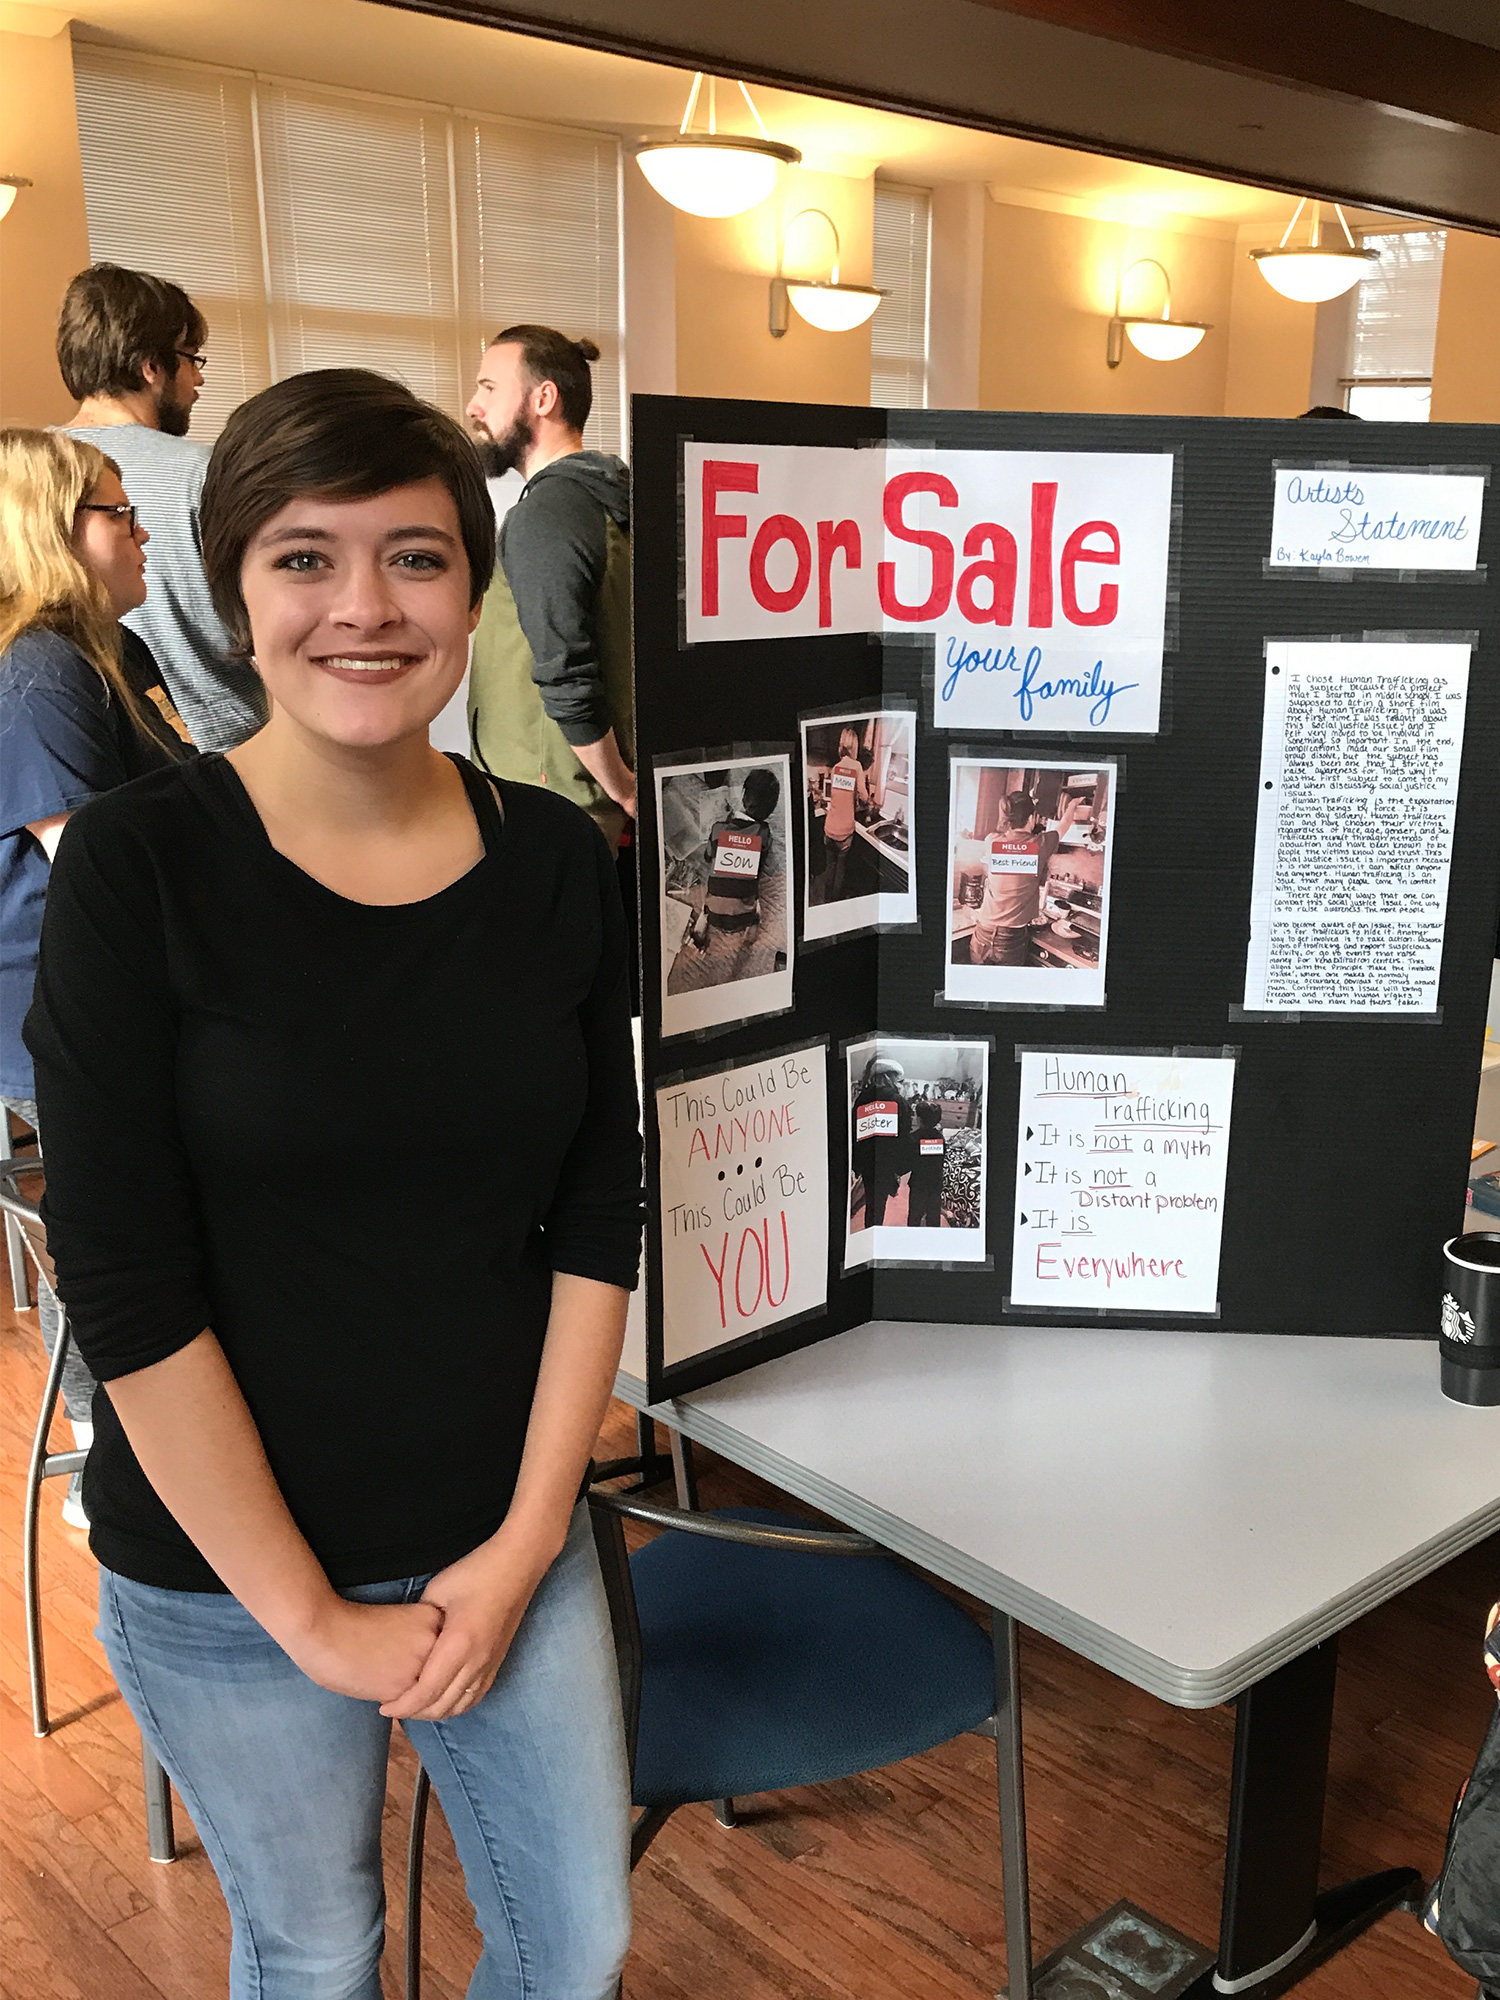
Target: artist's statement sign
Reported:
[(744, 1199), (1120, 1181), (1376, 520), (1041, 575)]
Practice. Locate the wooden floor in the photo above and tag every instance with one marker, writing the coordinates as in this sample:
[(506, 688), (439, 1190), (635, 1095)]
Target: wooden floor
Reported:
[(882, 1888)]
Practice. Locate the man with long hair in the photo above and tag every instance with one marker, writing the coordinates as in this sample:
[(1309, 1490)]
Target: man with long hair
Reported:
[(550, 696), (130, 349)]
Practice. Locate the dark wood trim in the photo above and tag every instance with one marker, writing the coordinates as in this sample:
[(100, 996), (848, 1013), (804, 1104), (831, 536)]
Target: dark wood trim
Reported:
[(654, 36), (1332, 45)]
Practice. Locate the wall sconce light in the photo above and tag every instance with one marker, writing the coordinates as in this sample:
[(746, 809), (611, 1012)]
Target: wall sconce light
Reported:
[(10, 184), (822, 302), (1308, 272), (714, 173), (1159, 338)]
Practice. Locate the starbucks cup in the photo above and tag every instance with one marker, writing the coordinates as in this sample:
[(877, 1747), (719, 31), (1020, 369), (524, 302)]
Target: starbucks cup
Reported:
[(1469, 1337)]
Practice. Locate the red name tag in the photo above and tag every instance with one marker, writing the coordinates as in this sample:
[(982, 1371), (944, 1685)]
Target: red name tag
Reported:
[(930, 1148), (737, 854), (843, 781), (876, 1120)]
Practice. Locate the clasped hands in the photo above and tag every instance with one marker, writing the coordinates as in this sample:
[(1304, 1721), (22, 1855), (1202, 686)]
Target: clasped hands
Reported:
[(433, 1660)]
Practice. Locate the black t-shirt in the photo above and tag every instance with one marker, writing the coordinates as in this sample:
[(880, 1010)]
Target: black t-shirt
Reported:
[(227, 1054), (880, 1148)]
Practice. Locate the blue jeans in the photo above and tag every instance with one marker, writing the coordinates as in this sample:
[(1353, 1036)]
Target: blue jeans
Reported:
[(286, 1782)]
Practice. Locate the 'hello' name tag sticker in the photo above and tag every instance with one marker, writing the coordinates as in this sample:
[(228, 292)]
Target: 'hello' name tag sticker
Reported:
[(930, 1149), (876, 1120), (1019, 858), (843, 781), (737, 854)]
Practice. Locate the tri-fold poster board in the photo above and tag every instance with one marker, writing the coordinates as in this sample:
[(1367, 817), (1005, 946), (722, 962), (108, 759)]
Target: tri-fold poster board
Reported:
[(1069, 856)]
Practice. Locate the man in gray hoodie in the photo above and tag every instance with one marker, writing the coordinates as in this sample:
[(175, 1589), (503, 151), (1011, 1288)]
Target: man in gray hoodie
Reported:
[(550, 692)]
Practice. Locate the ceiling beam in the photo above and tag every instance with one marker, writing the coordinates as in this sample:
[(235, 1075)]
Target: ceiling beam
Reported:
[(999, 66), (1330, 45)]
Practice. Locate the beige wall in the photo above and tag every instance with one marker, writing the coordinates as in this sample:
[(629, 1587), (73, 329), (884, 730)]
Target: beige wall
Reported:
[(1049, 290), (1465, 368), (1271, 342), (650, 248), (45, 239), (724, 270), (955, 308)]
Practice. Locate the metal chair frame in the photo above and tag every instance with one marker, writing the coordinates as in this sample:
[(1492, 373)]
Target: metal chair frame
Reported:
[(25, 1216), (15, 1242), (608, 1511)]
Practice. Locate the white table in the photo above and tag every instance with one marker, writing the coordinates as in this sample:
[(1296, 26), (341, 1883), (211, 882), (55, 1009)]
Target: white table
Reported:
[(1202, 1513)]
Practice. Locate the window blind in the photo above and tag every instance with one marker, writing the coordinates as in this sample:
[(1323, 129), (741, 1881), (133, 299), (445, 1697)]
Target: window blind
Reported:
[(320, 228), (1396, 308), (171, 188), (359, 228), (539, 242), (898, 332)]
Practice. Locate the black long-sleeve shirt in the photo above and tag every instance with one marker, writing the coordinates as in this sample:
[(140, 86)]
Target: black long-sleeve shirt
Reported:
[(355, 1141)]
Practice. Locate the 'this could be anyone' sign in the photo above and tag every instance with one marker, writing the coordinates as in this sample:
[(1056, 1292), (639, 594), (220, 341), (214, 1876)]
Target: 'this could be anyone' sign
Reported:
[(1041, 575), (1376, 520), (744, 1199)]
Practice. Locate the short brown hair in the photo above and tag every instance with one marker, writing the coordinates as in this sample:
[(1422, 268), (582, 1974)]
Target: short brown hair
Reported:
[(549, 356), (114, 321), (341, 434)]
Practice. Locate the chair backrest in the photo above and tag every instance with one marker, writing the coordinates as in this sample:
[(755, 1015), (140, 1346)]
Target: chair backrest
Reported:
[(608, 1512), (27, 1211)]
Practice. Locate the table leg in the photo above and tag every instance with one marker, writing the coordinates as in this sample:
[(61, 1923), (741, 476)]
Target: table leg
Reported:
[(1011, 1772), (1275, 1926)]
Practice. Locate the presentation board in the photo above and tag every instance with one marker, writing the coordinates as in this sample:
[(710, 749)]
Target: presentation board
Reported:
[(954, 732)]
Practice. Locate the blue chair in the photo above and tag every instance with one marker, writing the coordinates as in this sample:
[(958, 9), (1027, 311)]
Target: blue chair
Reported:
[(757, 1653)]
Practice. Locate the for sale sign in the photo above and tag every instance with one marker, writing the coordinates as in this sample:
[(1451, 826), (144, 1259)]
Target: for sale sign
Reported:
[(1042, 576)]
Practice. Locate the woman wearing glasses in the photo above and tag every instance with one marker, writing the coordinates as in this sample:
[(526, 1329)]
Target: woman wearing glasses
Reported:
[(82, 709)]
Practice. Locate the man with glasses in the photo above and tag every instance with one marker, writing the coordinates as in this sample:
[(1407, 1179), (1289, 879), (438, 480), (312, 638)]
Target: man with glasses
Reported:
[(130, 349)]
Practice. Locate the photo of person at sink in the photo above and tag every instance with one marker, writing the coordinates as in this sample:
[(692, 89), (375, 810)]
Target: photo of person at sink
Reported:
[(859, 868), (1030, 853)]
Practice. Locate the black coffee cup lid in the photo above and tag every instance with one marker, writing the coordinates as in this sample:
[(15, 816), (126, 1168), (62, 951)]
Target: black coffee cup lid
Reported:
[(1479, 1250)]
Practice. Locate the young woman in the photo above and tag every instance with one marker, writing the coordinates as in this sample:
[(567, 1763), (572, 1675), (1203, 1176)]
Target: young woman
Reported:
[(350, 1391), (82, 709)]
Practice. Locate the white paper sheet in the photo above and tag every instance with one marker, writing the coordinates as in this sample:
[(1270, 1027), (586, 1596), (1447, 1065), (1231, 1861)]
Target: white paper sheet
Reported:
[(917, 1151), (744, 1199), (1041, 575), (883, 835), (713, 975), (1376, 520), (1360, 753), (1120, 1165), (1029, 905)]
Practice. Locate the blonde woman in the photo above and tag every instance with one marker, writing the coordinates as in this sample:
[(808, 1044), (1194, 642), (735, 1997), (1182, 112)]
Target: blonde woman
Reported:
[(82, 710)]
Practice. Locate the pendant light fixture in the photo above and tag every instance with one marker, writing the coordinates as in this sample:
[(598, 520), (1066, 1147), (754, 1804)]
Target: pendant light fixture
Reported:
[(1159, 338), (823, 302), (1309, 272), (10, 187), (714, 173)]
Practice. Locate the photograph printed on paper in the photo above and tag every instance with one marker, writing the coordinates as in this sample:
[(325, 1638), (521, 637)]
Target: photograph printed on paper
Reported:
[(1029, 852), (725, 833), (857, 792), (916, 1151)]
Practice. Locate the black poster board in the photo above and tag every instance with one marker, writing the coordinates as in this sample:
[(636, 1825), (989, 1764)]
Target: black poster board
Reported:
[(1350, 1142)]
